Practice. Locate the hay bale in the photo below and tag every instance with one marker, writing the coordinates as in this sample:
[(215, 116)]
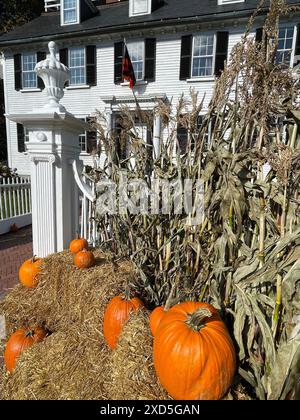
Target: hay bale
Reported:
[(130, 370), (65, 366), (65, 295)]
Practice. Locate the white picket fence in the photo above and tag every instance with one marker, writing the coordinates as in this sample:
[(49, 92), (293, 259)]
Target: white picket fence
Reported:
[(15, 202)]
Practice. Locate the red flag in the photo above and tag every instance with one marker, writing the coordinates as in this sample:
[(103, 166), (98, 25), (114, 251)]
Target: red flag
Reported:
[(127, 69)]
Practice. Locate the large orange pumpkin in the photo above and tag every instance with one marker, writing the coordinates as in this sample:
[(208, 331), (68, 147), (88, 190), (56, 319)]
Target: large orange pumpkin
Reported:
[(84, 259), (20, 341), (116, 314), (78, 245), (29, 270), (155, 317), (194, 356)]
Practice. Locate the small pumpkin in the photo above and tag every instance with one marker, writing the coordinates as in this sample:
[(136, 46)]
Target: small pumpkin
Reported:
[(29, 270), (194, 356), (20, 341), (84, 259), (13, 228), (116, 314), (78, 244), (155, 317)]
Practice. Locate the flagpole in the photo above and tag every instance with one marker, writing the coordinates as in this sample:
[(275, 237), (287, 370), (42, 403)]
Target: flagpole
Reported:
[(134, 95)]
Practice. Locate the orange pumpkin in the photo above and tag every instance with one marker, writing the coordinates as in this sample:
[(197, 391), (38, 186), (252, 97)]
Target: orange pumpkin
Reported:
[(29, 270), (13, 228), (194, 356), (78, 245), (116, 314), (84, 259), (155, 317), (20, 341)]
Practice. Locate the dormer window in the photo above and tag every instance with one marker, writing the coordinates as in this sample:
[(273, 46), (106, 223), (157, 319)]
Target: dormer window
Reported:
[(69, 12), (140, 7)]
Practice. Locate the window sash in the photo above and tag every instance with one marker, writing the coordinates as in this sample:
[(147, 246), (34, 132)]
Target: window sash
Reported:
[(71, 11), (136, 52), (205, 56), (282, 52), (77, 71), (29, 76)]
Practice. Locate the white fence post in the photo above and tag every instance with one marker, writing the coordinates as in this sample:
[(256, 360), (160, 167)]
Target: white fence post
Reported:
[(53, 146)]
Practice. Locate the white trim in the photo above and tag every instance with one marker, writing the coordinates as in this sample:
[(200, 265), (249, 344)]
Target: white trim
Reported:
[(224, 2), (201, 79), (26, 90), (138, 83), (293, 54), (74, 87), (213, 56), (62, 14)]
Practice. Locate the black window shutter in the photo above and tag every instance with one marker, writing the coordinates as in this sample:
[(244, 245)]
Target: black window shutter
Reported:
[(21, 138), (64, 58), (297, 51), (40, 56), (119, 48), (150, 59), (186, 57), (91, 65), (91, 137), (221, 52), (18, 71), (259, 35)]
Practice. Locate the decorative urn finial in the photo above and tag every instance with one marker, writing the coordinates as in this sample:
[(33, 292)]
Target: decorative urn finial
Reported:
[(54, 75)]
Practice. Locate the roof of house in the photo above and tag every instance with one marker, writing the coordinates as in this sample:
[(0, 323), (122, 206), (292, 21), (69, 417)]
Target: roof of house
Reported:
[(116, 18)]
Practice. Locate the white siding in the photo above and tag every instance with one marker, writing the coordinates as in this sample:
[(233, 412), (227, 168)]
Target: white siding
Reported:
[(82, 102)]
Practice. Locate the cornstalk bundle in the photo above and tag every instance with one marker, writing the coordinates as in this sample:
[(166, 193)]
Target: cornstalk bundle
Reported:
[(244, 257)]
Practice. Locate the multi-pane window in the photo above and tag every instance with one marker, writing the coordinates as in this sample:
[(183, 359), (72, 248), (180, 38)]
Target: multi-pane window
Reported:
[(139, 7), (88, 139), (69, 11), (136, 52), (285, 45), (28, 74), (77, 61), (203, 55)]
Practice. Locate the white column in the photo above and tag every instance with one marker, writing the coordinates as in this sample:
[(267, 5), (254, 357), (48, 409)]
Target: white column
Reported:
[(156, 136), (53, 147)]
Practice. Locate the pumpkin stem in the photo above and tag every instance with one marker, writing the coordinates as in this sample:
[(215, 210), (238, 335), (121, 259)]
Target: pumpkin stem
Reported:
[(195, 320), (127, 293), (33, 258), (29, 333)]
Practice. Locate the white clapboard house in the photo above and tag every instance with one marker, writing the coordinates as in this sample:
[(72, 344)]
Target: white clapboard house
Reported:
[(174, 45)]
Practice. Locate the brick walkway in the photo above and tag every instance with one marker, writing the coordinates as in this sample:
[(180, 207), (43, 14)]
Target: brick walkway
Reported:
[(14, 249)]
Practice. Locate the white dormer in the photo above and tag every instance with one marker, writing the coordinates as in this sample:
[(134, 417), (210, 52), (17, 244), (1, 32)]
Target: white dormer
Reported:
[(140, 7), (70, 12)]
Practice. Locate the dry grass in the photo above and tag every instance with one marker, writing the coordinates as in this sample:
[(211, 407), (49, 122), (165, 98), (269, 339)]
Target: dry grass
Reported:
[(66, 296), (130, 370), (65, 366)]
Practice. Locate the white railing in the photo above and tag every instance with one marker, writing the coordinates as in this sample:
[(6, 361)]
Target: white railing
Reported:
[(87, 223), (51, 5), (15, 202)]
